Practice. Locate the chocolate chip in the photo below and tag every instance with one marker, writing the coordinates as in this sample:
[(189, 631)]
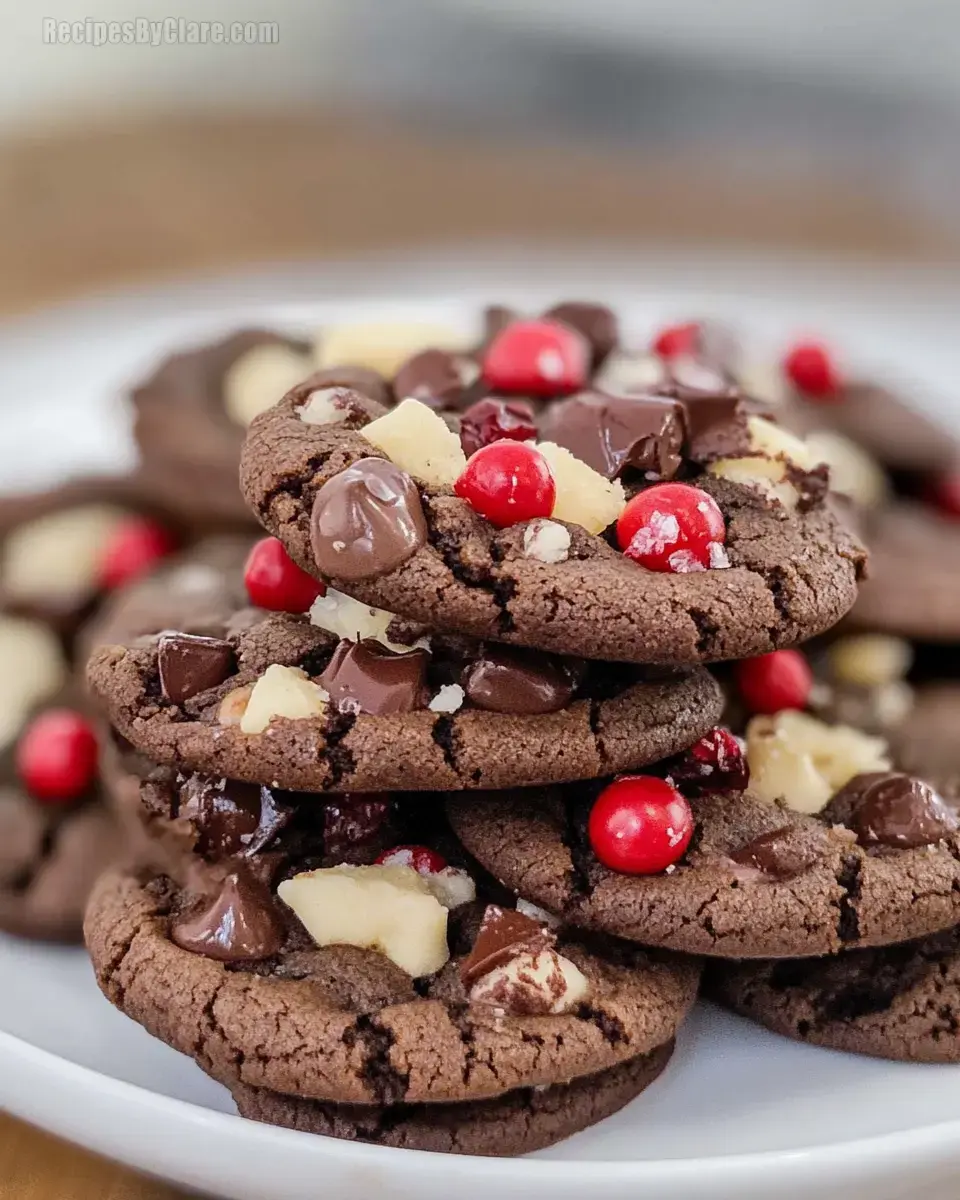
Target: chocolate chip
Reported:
[(240, 924), (610, 433), (436, 378), (365, 677), (596, 322), (231, 818), (366, 521), (504, 934), (522, 682), (190, 664), (714, 415), (496, 317), (886, 808), (778, 853)]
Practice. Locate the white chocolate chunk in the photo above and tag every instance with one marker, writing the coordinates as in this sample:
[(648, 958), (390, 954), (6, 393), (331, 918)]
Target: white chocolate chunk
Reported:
[(419, 441), (452, 887), (764, 381), (58, 554), (234, 705), (766, 469), (532, 984), (383, 346), (584, 497), (449, 699), (348, 618), (546, 541), (624, 372), (282, 692), (536, 913), (321, 407), (853, 472), (389, 909), (870, 659), (259, 378), (32, 668), (803, 761)]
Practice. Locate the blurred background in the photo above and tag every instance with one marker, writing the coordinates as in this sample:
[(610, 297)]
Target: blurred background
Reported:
[(822, 128)]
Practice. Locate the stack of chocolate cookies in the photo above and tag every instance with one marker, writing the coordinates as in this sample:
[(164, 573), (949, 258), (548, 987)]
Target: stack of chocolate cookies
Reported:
[(440, 819)]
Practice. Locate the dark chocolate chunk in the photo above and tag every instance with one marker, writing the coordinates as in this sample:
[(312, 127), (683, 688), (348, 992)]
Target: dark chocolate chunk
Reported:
[(523, 682), (189, 664), (778, 853), (436, 378), (240, 924), (366, 677), (504, 934), (610, 433), (366, 521), (231, 818), (886, 808), (596, 322)]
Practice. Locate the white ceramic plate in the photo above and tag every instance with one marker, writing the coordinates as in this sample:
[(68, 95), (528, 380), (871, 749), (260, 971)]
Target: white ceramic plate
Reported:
[(741, 1113)]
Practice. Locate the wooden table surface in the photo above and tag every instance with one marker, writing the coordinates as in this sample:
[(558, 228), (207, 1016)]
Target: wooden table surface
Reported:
[(114, 205)]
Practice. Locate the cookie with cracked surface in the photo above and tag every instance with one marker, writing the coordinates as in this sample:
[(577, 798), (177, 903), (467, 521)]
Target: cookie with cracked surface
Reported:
[(281, 699), (900, 1002), (347, 1025), (395, 530), (190, 416), (758, 880), (518, 1123)]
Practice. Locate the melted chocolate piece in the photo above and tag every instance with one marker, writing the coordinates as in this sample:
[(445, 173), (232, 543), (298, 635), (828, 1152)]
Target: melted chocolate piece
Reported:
[(366, 677), (190, 664), (231, 818), (521, 682), (886, 808), (610, 433), (504, 934), (777, 854), (366, 521), (436, 378), (597, 323), (240, 924)]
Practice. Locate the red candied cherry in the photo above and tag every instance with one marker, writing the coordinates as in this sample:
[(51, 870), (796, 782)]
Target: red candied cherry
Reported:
[(773, 682), (133, 548), (673, 527), (423, 860), (492, 420), (274, 581), (639, 825), (57, 756), (508, 482), (944, 493), (537, 358), (677, 341), (716, 763), (811, 369)]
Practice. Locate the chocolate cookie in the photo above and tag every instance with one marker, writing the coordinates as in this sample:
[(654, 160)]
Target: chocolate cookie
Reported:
[(900, 1002), (758, 880), (375, 504), (190, 417), (277, 698), (914, 559), (350, 1026), (517, 1123)]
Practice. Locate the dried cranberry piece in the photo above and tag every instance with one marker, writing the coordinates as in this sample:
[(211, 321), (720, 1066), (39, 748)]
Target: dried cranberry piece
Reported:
[(349, 820), (716, 763), (492, 420)]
